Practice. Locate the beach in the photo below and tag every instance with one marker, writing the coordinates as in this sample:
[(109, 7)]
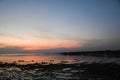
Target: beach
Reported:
[(79, 71)]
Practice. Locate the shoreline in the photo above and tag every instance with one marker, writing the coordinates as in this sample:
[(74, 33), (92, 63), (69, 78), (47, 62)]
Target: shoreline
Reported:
[(104, 53), (77, 71)]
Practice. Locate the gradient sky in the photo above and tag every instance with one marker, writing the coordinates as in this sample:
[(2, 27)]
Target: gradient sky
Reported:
[(59, 25)]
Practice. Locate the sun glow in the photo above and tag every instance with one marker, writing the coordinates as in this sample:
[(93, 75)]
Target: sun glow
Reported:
[(39, 44), (52, 46)]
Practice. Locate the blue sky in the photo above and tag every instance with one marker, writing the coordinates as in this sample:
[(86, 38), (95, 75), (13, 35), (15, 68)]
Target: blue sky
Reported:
[(66, 24)]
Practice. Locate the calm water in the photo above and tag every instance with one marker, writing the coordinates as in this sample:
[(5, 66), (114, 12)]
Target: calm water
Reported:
[(53, 58)]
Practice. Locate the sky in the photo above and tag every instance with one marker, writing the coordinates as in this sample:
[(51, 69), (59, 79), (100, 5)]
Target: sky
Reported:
[(59, 25)]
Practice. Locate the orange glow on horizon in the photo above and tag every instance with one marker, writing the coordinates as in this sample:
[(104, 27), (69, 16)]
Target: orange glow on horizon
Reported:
[(43, 46), (39, 44), (52, 46)]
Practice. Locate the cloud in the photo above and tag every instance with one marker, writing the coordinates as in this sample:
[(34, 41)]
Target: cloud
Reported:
[(16, 49), (95, 44), (100, 44), (10, 50), (1, 44), (10, 36)]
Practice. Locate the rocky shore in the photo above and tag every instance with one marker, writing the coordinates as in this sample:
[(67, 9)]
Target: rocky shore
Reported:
[(77, 71)]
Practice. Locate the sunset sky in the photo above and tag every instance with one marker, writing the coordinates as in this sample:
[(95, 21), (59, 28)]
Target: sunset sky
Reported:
[(65, 25)]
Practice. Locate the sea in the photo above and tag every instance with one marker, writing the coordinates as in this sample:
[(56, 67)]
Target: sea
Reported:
[(54, 58)]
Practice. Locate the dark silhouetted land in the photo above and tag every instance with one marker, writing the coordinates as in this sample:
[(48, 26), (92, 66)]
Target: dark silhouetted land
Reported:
[(106, 53), (78, 71)]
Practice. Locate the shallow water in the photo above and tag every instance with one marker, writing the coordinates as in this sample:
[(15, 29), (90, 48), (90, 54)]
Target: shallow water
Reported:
[(21, 58)]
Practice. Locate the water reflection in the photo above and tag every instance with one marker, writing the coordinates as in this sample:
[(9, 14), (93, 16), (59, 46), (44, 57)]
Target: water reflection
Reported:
[(28, 59), (52, 59)]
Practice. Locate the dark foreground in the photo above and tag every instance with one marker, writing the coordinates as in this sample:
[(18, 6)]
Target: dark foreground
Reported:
[(78, 71)]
